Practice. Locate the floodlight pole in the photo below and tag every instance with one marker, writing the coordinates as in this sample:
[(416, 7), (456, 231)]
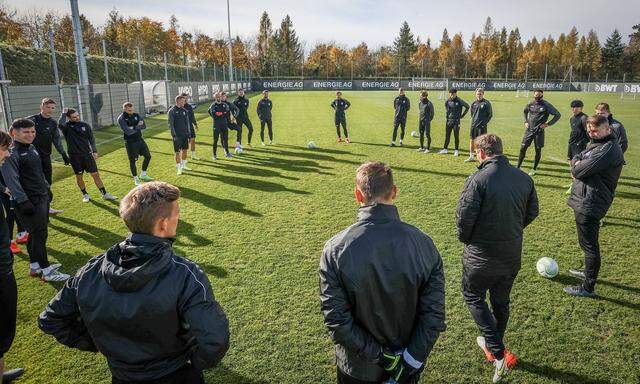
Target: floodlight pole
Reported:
[(230, 49)]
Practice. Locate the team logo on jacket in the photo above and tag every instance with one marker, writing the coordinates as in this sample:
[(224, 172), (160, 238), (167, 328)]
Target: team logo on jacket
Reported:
[(541, 109)]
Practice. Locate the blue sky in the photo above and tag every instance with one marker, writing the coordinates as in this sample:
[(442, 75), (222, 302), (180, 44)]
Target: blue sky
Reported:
[(375, 22)]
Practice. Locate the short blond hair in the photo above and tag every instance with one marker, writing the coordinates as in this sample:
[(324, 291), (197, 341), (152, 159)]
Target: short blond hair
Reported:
[(375, 180), (143, 206)]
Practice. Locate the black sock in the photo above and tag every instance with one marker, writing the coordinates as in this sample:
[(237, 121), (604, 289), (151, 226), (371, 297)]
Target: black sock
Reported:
[(84, 191), (103, 190)]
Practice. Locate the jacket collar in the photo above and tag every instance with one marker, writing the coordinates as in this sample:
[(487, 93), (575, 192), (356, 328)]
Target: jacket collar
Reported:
[(500, 160), (378, 213), (144, 239)]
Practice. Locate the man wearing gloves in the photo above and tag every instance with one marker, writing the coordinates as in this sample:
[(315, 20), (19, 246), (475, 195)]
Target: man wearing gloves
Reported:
[(150, 312), (381, 288), (23, 175)]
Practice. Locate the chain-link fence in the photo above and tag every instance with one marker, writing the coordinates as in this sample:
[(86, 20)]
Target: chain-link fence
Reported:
[(28, 75)]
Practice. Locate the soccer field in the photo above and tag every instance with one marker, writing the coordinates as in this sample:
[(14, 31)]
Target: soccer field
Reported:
[(256, 224)]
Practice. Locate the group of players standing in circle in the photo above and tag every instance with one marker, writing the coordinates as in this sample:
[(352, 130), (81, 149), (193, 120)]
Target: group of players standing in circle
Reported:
[(226, 115), (536, 120)]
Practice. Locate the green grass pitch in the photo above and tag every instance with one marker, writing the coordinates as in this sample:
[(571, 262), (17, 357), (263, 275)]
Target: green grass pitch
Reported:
[(257, 224)]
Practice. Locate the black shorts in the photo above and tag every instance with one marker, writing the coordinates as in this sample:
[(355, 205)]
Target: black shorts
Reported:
[(180, 143), (478, 131), (340, 119), (192, 132), (136, 149), (83, 163), (537, 137)]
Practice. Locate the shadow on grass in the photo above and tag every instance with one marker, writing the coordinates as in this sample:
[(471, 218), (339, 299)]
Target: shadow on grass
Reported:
[(556, 374), (259, 172), (223, 374), (217, 203), (565, 279), (257, 185), (185, 229), (96, 236)]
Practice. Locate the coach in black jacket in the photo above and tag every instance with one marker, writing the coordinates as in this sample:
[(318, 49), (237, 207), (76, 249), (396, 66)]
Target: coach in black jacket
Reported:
[(381, 288), (595, 171), (151, 312), (498, 201)]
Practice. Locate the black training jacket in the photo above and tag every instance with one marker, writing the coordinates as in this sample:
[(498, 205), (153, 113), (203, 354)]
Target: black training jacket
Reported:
[(179, 121), (79, 137), (481, 113), (146, 309), (381, 284), (578, 135), (22, 173), (129, 124), (426, 111), (402, 105), (537, 113), (620, 133), (46, 134), (221, 113), (596, 171), (340, 106), (453, 108), (497, 202), (264, 109), (242, 104)]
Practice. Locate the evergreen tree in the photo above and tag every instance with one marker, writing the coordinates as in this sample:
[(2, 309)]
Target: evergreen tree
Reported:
[(404, 46), (612, 55)]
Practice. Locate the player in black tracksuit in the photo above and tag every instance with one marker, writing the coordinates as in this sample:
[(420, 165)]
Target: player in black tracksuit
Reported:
[(481, 114), (242, 105), (47, 134), (83, 153), (424, 120), (595, 173), (23, 175), (401, 105), (8, 287), (578, 138), (453, 109), (221, 115), (132, 125), (603, 109), (340, 105), (536, 115), (193, 127), (180, 127), (265, 105), (233, 122)]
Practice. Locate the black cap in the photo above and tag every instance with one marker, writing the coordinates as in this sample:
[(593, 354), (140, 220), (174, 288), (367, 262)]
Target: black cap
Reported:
[(453, 90), (577, 104)]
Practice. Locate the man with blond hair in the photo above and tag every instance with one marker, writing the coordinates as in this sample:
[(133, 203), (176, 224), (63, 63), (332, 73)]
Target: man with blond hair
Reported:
[(381, 288), (151, 312)]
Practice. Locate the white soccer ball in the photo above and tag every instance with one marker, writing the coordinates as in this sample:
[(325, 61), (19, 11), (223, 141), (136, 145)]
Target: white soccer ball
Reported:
[(239, 150), (311, 145), (414, 134), (547, 267)]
